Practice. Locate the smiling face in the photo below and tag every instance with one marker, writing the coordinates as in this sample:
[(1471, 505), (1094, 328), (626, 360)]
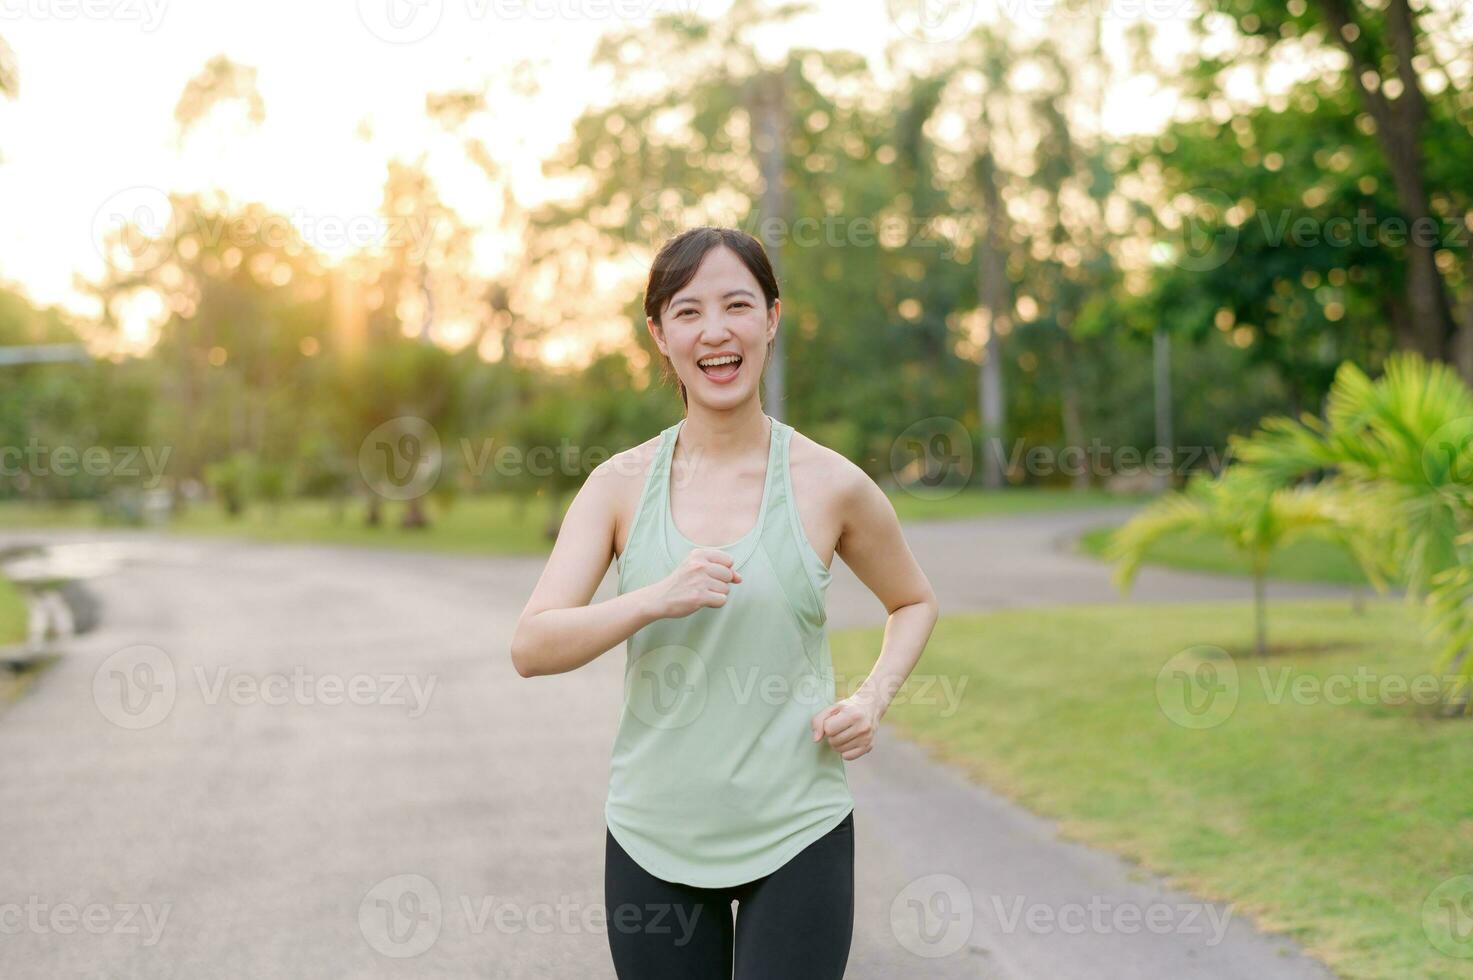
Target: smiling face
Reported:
[(716, 329)]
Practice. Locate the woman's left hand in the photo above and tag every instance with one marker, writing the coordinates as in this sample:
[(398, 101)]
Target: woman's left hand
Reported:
[(849, 725)]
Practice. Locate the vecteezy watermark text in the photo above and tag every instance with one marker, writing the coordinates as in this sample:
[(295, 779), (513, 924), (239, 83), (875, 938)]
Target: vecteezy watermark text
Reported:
[(404, 915), (40, 917), (1105, 916), (1202, 686), (148, 14), (38, 459), (138, 686)]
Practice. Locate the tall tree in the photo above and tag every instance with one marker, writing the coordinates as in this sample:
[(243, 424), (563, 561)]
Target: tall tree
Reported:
[(1071, 263), (221, 82), (711, 143), (1395, 53), (973, 107), (768, 101)]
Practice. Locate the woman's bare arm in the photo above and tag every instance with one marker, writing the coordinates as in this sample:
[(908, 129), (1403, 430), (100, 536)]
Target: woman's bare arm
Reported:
[(874, 547), (559, 630)]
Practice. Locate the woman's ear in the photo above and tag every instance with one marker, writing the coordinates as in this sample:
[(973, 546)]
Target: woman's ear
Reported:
[(657, 333), (773, 316)]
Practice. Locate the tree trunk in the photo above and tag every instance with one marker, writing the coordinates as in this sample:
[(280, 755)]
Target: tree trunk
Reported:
[(1464, 346), (1429, 328), (1456, 699), (771, 111), (1165, 432), (554, 522), (415, 517), (994, 297), (1260, 612), (1069, 406)]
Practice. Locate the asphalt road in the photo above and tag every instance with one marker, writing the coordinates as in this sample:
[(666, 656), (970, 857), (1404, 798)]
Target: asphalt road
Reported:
[(312, 762)]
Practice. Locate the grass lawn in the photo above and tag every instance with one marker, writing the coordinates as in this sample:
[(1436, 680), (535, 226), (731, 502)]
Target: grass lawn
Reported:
[(998, 503), (13, 614), (1332, 822), (1306, 560), (490, 523), (17, 514), (497, 525)]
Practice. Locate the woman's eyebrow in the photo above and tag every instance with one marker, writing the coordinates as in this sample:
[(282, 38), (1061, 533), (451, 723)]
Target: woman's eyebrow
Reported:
[(727, 295)]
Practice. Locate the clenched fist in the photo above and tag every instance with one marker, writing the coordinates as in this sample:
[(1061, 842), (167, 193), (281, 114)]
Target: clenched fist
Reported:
[(849, 725), (703, 579)]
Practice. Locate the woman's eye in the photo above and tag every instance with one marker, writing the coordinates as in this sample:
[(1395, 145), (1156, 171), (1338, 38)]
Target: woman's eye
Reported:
[(740, 305)]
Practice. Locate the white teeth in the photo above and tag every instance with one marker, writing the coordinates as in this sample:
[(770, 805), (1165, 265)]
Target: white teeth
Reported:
[(716, 361)]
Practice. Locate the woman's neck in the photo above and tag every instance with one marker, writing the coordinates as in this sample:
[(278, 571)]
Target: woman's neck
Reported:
[(725, 435)]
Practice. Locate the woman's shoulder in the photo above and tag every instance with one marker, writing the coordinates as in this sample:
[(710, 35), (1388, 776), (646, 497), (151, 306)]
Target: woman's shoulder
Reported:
[(816, 471), (624, 472), (620, 481)]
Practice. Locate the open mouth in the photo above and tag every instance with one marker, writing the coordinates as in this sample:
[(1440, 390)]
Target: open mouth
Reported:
[(720, 367)]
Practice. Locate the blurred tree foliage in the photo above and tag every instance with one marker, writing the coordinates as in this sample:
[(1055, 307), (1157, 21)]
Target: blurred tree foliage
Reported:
[(1338, 212), (966, 241)]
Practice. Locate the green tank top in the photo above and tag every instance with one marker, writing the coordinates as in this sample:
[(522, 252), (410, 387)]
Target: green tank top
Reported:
[(715, 779)]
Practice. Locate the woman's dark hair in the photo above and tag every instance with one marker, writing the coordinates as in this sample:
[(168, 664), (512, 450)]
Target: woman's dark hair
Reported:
[(676, 265)]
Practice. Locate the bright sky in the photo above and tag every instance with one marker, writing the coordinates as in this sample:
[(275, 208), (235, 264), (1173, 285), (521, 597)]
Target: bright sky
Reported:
[(99, 80)]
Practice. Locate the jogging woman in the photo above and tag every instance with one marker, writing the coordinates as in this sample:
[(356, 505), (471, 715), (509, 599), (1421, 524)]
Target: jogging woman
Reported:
[(727, 780)]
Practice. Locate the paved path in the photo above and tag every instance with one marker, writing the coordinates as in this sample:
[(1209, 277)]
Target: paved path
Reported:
[(250, 824)]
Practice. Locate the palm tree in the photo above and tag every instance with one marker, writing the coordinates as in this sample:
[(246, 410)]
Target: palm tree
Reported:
[(1401, 448), (1240, 507)]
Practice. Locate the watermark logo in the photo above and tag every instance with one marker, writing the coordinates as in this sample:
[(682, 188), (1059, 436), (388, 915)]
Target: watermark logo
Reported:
[(138, 687), (134, 228), (660, 214), (667, 686), (1101, 916), (135, 687), (404, 915), (409, 21), (401, 21), (40, 460), (1447, 457), (148, 14), (299, 687), (932, 21), (1206, 238), (772, 688), (39, 917), (1198, 687), (139, 228), (932, 458), (1096, 9), (1360, 686), (401, 459), (816, 688), (933, 915), (1447, 917), (1102, 461), (401, 916)]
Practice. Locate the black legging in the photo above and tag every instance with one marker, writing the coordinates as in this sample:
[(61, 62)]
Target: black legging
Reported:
[(793, 924)]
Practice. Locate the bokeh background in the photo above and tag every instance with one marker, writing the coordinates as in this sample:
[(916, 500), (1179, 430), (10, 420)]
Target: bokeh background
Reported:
[(1166, 294)]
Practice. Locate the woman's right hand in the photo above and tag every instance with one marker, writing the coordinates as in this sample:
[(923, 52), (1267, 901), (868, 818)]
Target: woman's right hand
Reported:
[(703, 579)]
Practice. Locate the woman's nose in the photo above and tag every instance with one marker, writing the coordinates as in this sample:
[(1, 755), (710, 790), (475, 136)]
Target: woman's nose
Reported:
[(715, 327)]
